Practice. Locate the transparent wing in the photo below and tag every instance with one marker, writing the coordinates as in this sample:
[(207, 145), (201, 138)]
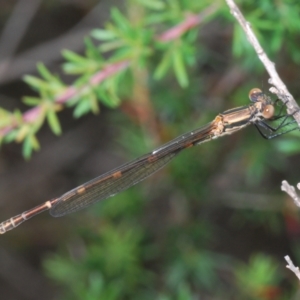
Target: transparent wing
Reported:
[(127, 175)]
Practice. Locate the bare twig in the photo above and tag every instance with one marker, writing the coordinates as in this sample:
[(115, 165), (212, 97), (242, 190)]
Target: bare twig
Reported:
[(290, 190), (281, 90), (292, 267)]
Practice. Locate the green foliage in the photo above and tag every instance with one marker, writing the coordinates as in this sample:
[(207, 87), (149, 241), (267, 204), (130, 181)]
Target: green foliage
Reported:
[(177, 56), (257, 279), (275, 30), (129, 41)]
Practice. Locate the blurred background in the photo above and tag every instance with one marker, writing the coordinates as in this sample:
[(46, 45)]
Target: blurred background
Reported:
[(213, 224)]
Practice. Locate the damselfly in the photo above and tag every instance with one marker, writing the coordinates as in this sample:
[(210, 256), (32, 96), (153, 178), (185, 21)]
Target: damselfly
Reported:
[(258, 113)]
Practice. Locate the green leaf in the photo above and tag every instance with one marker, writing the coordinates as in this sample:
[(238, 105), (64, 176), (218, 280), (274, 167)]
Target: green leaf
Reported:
[(103, 35), (114, 100), (53, 122), (34, 82), (31, 101), (163, 67), (120, 20), (5, 118), (123, 54), (158, 18), (73, 57), (153, 4), (92, 99), (11, 136), (108, 46), (179, 69), (92, 51), (23, 132), (27, 147), (34, 142), (108, 98), (45, 73), (18, 115), (72, 68), (82, 108)]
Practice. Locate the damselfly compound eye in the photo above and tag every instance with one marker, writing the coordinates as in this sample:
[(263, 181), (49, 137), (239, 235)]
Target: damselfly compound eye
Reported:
[(254, 94), (268, 111)]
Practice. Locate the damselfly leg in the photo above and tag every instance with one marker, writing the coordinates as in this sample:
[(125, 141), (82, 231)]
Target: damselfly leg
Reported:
[(269, 132)]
